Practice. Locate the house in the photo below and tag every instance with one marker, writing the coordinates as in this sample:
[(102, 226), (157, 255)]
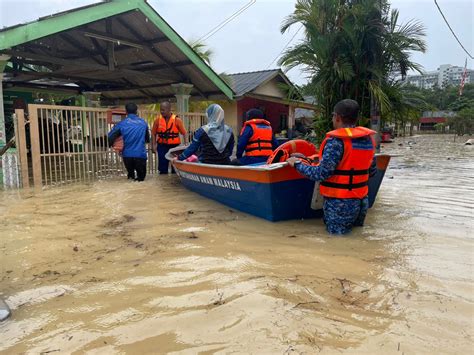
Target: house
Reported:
[(268, 90), (430, 119)]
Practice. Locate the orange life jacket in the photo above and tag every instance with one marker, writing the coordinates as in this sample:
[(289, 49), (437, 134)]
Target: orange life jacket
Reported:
[(260, 144), (351, 177), (168, 133)]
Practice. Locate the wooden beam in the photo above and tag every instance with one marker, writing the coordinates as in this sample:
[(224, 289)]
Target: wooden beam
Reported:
[(139, 89), (110, 46), (152, 67), (90, 33), (76, 63), (137, 35), (80, 46), (100, 51), (26, 76), (136, 87), (41, 86)]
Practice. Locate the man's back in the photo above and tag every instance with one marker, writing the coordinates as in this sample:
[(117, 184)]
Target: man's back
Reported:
[(134, 131)]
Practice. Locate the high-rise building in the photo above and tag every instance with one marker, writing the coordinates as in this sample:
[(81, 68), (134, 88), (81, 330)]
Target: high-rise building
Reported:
[(445, 75)]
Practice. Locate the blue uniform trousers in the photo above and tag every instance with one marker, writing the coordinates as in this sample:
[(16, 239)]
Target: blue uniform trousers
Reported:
[(163, 163), (340, 215)]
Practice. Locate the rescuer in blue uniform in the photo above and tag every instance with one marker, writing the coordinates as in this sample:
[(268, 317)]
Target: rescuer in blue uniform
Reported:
[(134, 131), (345, 163)]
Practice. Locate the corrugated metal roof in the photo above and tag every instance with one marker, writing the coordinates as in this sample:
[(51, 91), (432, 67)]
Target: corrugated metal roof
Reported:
[(148, 55), (243, 83)]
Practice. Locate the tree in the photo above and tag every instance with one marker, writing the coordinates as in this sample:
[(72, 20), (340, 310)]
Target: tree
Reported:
[(463, 122), (352, 49), (202, 50)]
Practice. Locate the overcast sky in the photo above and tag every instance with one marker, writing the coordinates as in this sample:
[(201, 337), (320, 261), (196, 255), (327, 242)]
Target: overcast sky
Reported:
[(253, 40)]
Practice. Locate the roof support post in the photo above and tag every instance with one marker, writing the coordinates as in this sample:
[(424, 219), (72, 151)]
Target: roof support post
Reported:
[(3, 133), (291, 121), (3, 64), (182, 94)]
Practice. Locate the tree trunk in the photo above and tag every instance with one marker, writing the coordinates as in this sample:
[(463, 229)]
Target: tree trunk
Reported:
[(375, 121)]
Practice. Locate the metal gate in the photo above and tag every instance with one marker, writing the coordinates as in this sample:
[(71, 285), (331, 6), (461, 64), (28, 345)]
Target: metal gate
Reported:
[(66, 144)]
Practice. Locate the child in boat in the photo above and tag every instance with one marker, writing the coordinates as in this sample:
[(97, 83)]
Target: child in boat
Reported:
[(346, 160), (214, 141), (256, 139)]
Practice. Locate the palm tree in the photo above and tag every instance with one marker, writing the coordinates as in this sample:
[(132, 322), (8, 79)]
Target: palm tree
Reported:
[(202, 50), (352, 49)]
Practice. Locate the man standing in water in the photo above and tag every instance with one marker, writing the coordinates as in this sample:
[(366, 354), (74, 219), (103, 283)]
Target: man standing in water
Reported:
[(134, 132), (165, 135), (346, 160)]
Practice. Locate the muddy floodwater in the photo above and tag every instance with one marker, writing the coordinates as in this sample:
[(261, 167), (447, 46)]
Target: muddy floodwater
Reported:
[(123, 267)]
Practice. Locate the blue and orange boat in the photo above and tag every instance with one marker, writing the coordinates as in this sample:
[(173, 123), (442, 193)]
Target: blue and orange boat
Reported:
[(274, 192)]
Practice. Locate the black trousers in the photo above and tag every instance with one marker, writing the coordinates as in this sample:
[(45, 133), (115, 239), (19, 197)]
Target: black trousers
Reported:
[(137, 165)]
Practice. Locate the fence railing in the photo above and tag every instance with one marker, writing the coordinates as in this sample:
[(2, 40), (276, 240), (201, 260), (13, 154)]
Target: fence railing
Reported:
[(69, 144)]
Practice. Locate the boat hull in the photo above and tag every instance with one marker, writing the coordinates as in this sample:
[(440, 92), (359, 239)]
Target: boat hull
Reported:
[(274, 201), (274, 192)]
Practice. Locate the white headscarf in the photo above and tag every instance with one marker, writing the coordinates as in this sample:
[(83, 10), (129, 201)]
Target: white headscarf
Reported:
[(218, 132)]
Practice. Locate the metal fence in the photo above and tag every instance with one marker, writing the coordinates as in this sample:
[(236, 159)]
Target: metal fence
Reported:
[(58, 145)]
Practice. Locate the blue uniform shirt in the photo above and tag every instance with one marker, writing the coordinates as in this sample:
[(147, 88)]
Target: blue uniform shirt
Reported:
[(134, 131), (194, 146), (340, 215), (332, 155)]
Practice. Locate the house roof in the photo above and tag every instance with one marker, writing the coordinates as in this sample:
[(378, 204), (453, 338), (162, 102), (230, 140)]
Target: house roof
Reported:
[(123, 49), (243, 83)]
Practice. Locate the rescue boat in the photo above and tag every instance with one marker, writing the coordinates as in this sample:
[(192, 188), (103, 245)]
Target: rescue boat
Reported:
[(274, 191)]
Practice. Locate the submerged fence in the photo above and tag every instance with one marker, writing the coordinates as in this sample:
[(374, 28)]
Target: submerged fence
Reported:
[(65, 144)]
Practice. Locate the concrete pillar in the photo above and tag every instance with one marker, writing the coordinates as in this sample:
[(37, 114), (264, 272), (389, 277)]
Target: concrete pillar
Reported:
[(182, 94)]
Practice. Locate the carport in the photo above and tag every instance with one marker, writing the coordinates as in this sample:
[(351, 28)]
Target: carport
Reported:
[(121, 50)]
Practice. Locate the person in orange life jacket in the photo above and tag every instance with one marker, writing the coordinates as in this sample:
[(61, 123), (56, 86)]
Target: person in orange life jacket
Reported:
[(214, 141), (134, 131), (346, 160), (165, 135), (256, 139)]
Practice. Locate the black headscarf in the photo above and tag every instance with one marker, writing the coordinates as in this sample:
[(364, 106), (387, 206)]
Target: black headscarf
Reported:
[(254, 113)]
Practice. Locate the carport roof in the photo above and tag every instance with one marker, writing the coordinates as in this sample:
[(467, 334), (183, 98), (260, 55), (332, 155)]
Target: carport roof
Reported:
[(121, 48)]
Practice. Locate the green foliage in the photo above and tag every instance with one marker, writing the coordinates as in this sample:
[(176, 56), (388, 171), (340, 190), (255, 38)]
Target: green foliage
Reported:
[(448, 99), (352, 49), (463, 122), (201, 49)]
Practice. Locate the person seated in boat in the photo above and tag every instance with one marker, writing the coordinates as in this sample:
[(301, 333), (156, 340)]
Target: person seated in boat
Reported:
[(256, 140), (346, 160), (214, 142)]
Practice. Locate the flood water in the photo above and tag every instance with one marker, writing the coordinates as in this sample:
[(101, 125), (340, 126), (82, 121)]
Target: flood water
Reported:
[(123, 267)]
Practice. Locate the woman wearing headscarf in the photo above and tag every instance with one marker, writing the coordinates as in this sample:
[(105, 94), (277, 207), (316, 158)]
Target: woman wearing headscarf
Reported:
[(214, 142)]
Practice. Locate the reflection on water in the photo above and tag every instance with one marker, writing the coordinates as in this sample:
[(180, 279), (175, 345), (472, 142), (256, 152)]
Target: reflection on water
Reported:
[(153, 268)]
